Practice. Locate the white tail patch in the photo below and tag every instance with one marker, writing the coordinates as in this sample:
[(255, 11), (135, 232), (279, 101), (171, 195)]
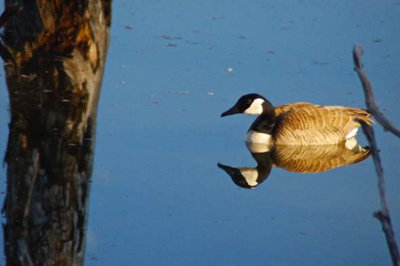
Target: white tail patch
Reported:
[(352, 133), (352, 144), (256, 107), (250, 175)]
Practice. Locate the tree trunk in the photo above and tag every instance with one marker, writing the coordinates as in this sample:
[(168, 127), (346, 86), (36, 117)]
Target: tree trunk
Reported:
[(54, 53)]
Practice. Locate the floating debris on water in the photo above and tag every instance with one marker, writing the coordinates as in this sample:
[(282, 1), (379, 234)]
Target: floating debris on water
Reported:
[(216, 17), (210, 93), (192, 42), (185, 92), (229, 69), (319, 63), (169, 37)]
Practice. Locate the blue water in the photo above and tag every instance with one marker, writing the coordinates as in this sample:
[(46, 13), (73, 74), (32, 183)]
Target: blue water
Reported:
[(157, 196)]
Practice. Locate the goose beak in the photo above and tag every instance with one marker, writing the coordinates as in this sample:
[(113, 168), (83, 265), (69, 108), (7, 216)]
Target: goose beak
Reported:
[(232, 111), (229, 170)]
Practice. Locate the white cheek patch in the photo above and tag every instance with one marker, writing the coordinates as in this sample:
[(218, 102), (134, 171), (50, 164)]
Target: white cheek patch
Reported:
[(256, 107), (250, 175)]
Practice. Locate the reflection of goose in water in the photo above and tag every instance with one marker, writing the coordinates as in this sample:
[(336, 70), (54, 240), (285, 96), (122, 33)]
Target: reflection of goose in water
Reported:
[(296, 158), (299, 123), (248, 177)]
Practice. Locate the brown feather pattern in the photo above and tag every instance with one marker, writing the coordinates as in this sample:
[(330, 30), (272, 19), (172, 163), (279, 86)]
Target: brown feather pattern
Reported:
[(316, 158), (309, 124)]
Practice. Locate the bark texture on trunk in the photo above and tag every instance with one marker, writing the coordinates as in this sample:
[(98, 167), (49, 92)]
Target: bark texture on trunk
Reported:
[(54, 53)]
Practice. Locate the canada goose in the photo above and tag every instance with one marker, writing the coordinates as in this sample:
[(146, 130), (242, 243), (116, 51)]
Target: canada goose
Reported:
[(299, 123), (296, 158)]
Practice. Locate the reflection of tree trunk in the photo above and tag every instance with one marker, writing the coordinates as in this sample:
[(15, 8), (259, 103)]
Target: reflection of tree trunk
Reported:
[(54, 54)]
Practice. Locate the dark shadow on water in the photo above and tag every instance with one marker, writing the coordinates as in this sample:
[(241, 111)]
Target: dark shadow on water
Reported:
[(295, 158)]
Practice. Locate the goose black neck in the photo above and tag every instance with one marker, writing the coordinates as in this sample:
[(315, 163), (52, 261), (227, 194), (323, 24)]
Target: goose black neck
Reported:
[(264, 122), (264, 165)]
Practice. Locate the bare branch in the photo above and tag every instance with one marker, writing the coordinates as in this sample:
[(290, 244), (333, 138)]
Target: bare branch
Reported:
[(382, 215), (370, 102)]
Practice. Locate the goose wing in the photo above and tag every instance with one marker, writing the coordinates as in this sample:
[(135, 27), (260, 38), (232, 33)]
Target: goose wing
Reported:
[(286, 107), (308, 124)]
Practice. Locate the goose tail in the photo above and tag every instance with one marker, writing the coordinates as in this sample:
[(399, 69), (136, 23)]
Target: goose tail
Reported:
[(363, 116), (363, 154)]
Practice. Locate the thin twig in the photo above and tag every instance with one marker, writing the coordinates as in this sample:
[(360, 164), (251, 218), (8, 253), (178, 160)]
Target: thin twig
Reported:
[(382, 215), (370, 102)]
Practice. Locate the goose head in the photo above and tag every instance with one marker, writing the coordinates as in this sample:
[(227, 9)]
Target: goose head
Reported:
[(250, 177), (251, 104), (242, 177)]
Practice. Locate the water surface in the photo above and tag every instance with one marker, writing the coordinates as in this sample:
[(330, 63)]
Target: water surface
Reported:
[(158, 197)]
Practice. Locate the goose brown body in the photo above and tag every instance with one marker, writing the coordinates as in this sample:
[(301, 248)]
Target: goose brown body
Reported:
[(309, 124)]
